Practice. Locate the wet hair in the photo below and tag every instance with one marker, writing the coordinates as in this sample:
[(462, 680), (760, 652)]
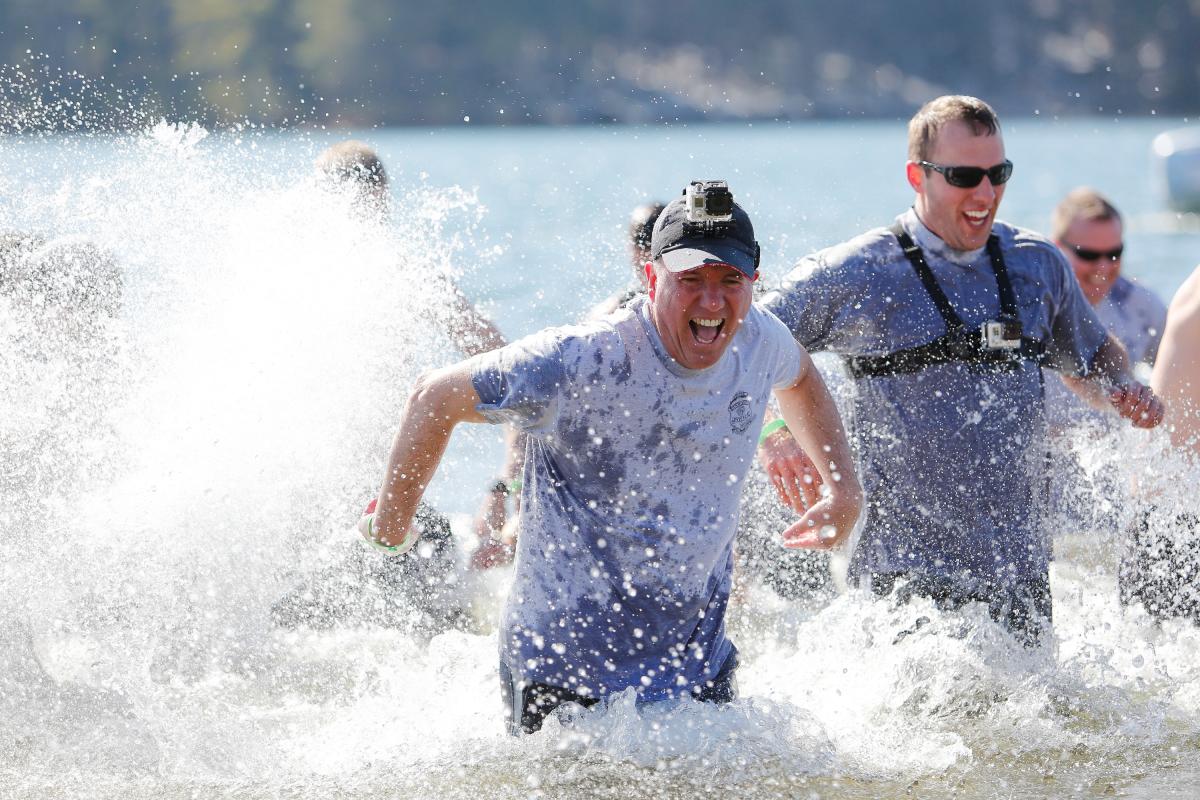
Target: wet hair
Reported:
[(641, 224), (1082, 203), (925, 125), (353, 161)]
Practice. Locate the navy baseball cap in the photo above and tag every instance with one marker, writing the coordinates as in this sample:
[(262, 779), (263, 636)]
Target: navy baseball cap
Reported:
[(684, 246)]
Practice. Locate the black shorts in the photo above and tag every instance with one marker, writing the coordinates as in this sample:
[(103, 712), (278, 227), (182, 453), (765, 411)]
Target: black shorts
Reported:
[(1022, 607), (526, 705), (1161, 565)]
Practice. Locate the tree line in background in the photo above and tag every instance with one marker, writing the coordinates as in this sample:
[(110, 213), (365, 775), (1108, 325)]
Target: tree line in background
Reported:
[(368, 62)]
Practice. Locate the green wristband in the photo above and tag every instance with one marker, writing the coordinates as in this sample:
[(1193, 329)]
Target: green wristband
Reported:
[(515, 485), (771, 427), (391, 550)]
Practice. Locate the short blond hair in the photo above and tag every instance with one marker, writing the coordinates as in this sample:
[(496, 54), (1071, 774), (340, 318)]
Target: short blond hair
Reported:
[(925, 125), (1082, 203)]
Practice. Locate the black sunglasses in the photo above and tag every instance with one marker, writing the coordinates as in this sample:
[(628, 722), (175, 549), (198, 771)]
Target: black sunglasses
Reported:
[(969, 177), (1096, 255)]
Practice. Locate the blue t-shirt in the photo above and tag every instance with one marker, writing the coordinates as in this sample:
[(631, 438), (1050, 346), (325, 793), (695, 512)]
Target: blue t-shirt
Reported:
[(952, 458), (632, 478)]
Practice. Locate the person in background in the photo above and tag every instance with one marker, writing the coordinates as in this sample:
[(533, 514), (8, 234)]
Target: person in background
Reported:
[(641, 227), (422, 593), (1161, 567), (945, 321), (641, 427), (355, 165), (1089, 231)]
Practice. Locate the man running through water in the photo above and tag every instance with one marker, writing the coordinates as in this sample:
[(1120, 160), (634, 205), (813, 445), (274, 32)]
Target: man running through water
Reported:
[(945, 321), (641, 427)]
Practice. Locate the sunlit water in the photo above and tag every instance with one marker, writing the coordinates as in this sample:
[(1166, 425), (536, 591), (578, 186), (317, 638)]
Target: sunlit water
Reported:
[(170, 472)]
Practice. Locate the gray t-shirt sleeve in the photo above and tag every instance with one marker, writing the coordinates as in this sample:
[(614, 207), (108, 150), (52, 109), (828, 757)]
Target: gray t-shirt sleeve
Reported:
[(1076, 333), (785, 352), (522, 383), (807, 300)]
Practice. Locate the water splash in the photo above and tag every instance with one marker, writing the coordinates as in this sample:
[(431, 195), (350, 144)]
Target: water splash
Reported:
[(168, 475)]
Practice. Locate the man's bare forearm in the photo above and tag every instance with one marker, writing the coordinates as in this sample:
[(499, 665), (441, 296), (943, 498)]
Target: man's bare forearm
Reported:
[(1110, 369), (814, 421), (1111, 365), (439, 401)]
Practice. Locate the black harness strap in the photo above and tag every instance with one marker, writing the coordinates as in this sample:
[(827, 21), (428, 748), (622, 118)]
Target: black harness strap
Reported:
[(1008, 299), (915, 257), (957, 344)]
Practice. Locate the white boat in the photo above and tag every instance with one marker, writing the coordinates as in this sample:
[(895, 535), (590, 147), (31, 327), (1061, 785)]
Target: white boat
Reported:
[(1177, 159)]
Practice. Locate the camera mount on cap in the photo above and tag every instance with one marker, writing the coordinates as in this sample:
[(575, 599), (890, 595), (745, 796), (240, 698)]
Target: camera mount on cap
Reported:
[(709, 207)]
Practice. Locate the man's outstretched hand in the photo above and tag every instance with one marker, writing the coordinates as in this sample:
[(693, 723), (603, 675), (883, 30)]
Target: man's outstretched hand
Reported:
[(827, 524), (790, 471)]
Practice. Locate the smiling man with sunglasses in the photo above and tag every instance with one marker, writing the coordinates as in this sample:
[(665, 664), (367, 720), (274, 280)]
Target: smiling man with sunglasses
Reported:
[(1089, 231), (945, 322)]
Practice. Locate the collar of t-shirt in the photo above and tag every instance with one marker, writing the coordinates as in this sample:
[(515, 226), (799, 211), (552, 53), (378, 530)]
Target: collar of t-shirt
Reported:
[(932, 245)]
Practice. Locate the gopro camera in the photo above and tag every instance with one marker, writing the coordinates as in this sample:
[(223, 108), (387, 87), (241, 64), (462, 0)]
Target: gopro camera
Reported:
[(1001, 334), (709, 201)]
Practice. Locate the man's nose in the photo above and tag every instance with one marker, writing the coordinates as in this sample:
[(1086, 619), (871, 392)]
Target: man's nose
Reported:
[(712, 297), (985, 191)]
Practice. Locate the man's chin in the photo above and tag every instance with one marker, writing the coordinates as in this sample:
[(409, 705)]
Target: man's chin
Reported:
[(703, 356)]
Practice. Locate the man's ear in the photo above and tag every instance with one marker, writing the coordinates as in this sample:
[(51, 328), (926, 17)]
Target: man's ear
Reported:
[(916, 176), (651, 279)]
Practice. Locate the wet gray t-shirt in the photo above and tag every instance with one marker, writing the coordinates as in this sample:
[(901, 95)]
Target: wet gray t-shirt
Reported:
[(952, 458), (632, 478)]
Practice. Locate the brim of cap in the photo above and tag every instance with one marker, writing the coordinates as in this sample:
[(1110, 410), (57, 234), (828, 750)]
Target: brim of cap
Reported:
[(689, 257)]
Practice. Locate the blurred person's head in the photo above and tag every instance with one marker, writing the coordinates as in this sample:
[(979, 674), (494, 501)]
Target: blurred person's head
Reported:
[(1088, 230), (354, 164), (957, 167), (641, 229)]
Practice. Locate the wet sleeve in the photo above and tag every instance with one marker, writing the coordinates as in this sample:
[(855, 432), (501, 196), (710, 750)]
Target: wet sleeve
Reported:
[(785, 352), (1076, 333), (806, 302), (521, 383)]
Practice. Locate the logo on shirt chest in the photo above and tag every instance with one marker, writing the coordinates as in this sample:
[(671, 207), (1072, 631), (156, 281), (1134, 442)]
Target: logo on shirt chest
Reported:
[(741, 412)]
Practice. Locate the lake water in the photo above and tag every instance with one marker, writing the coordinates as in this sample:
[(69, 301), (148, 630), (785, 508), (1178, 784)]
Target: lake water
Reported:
[(166, 479)]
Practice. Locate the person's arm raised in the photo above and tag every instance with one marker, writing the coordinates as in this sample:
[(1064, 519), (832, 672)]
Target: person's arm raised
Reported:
[(812, 417), (438, 401)]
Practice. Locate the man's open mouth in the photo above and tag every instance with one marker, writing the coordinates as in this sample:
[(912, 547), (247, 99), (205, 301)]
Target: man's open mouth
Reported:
[(706, 331), (977, 218)]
